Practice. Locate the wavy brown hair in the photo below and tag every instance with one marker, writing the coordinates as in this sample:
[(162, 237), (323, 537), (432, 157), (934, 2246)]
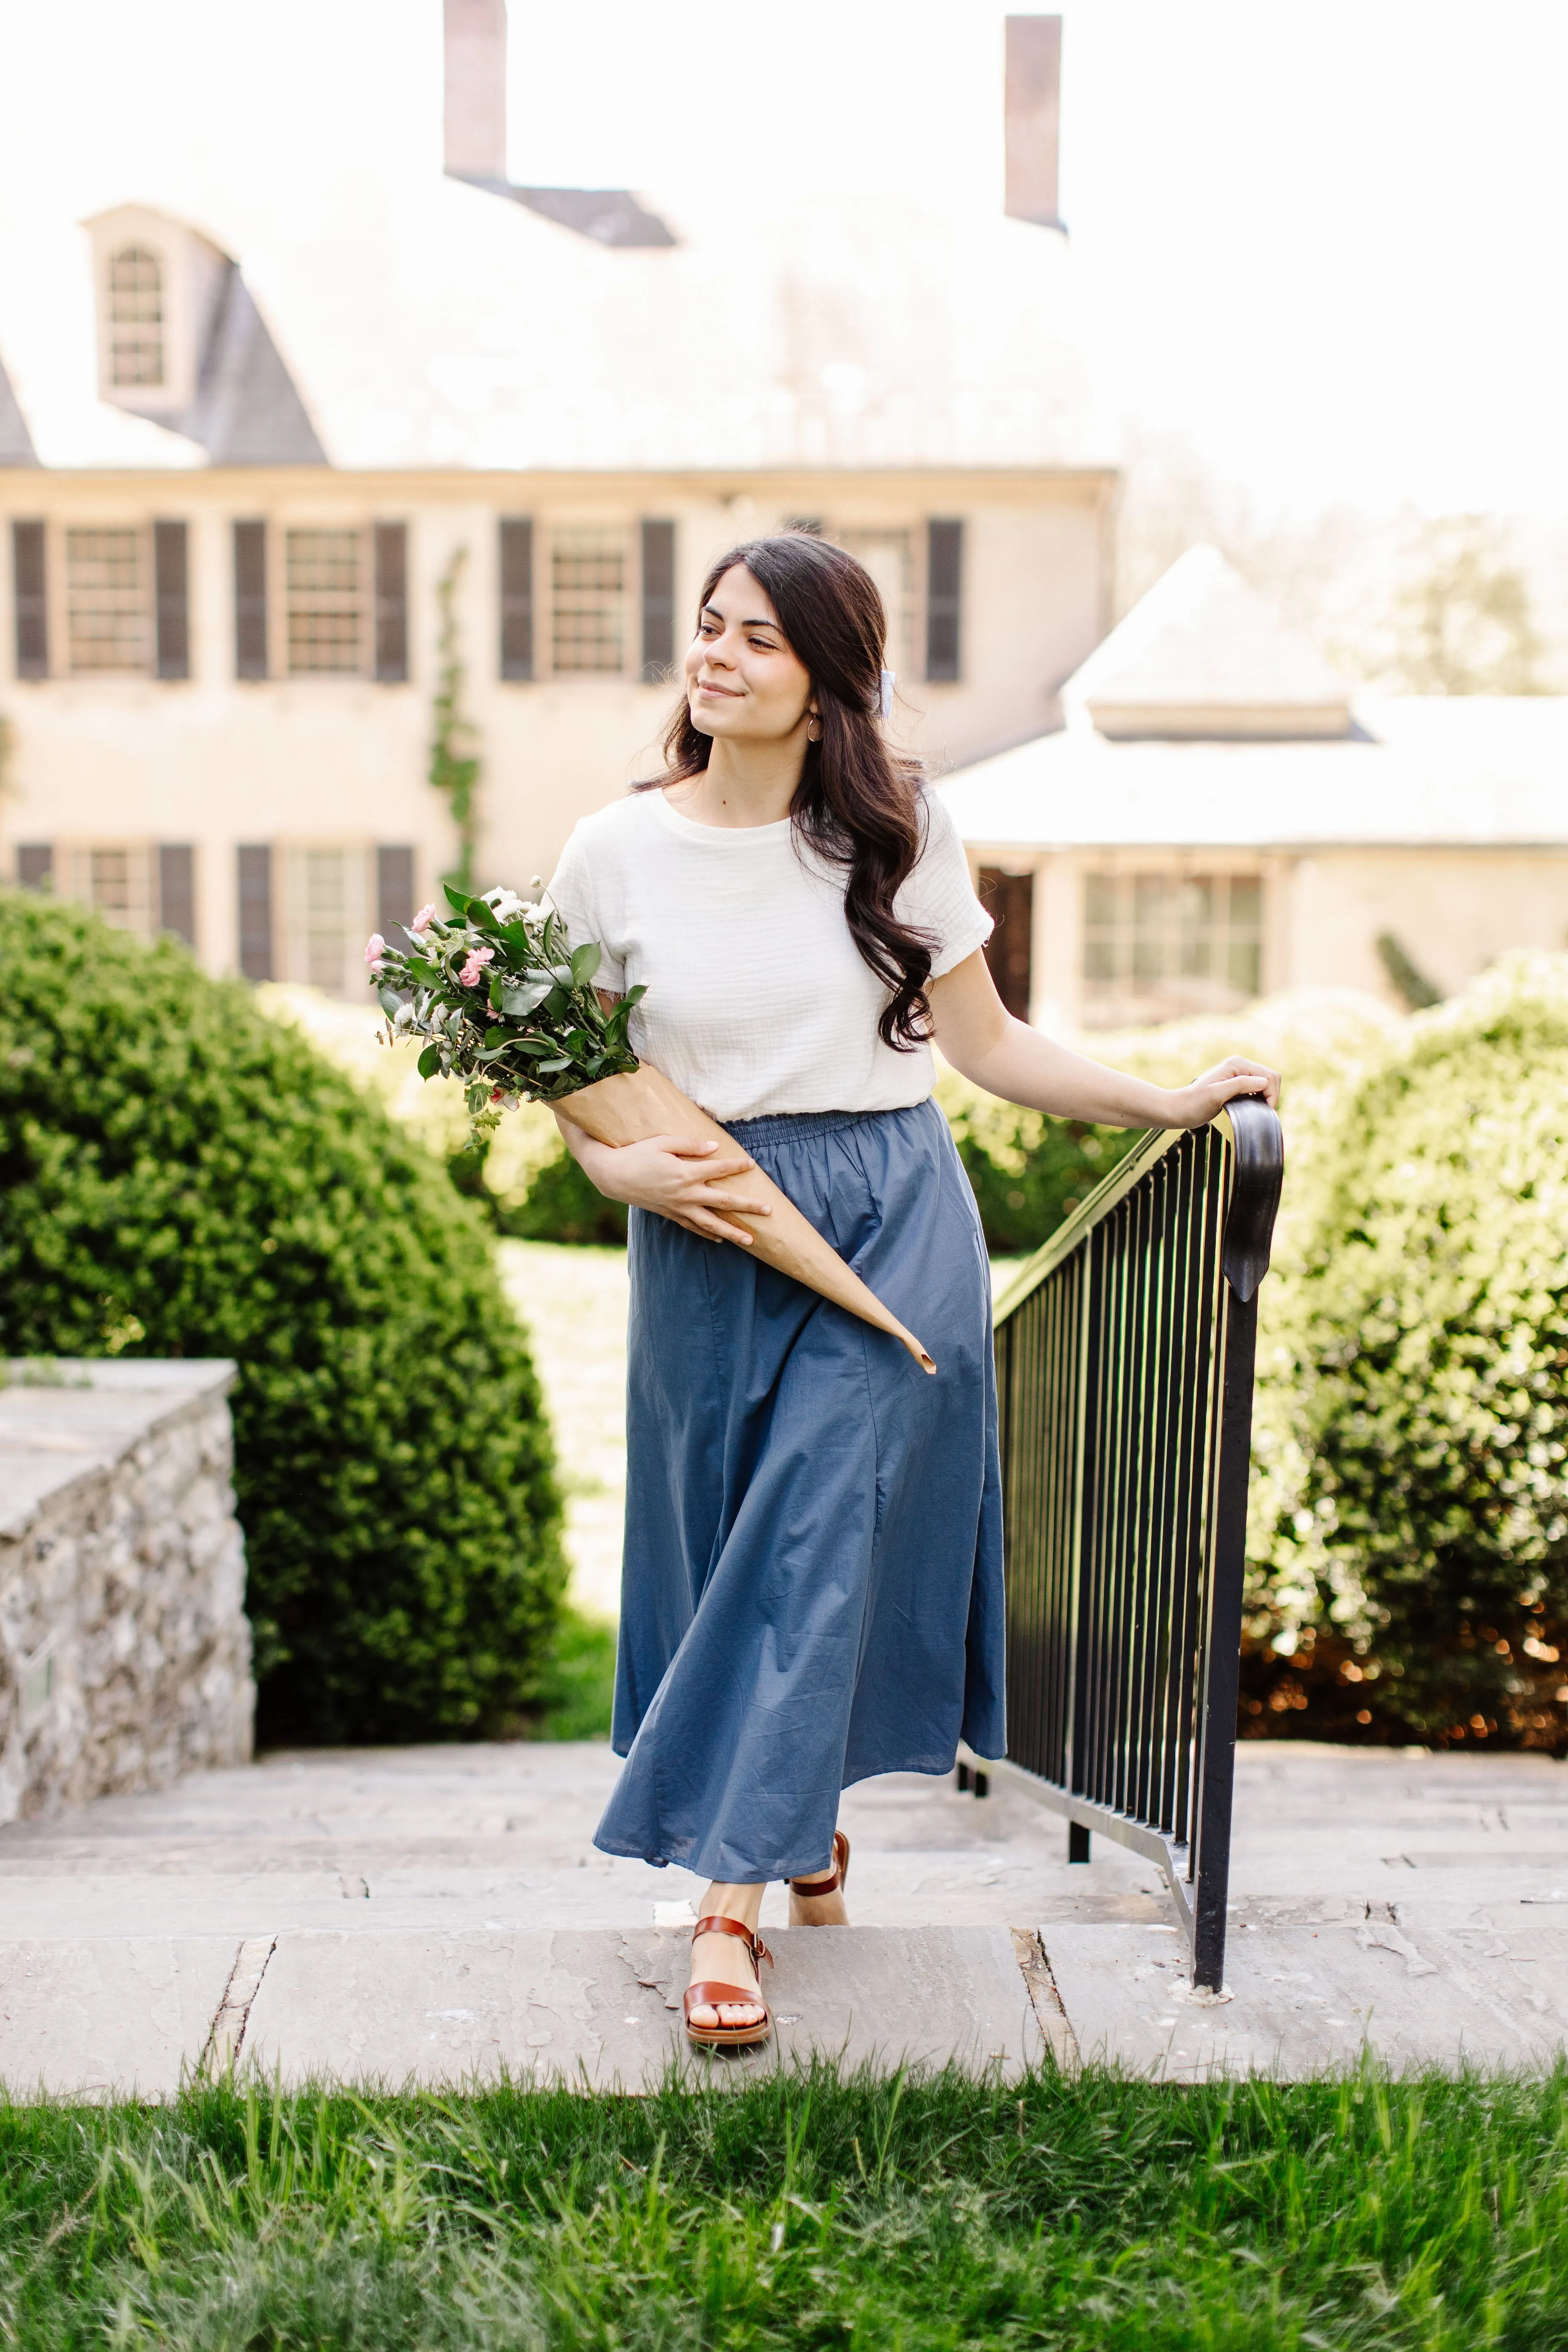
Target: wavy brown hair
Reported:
[(857, 804)]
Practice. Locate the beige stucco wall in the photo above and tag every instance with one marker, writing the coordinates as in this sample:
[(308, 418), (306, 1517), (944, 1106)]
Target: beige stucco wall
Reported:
[(343, 761), (1454, 911)]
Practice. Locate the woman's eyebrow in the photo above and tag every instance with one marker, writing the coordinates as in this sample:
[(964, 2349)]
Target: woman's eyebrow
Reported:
[(711, 612)]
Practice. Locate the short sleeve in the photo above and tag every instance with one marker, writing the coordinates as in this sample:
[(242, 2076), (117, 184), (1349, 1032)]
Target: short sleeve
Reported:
[(939, 897), (580, 906)]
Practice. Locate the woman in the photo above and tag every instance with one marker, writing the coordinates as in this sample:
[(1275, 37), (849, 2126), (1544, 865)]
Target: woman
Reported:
[(813, 1571)]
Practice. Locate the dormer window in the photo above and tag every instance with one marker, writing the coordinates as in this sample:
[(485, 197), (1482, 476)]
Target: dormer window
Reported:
[(135, 317), (159, 286)]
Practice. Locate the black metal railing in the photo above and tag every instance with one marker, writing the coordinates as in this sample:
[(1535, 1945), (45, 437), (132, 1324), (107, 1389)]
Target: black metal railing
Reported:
[(1124, 1364)]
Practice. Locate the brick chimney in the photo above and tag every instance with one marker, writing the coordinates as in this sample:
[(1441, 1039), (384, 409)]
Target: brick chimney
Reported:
[(1032, 115), (476, 88)]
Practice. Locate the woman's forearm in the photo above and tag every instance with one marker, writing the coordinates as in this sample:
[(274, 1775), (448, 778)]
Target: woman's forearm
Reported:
[(1024, 1066)]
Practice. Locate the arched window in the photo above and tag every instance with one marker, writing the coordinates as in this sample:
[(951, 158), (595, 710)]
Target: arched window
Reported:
[(135, 317)]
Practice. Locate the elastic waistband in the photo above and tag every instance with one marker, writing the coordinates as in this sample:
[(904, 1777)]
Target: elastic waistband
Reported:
[(800, 1127)]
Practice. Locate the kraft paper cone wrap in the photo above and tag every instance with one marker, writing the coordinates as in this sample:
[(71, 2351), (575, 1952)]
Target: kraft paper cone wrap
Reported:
[(643, 1103)]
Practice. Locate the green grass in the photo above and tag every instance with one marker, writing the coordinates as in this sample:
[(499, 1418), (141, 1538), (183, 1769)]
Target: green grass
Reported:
[(577, 1689), (1090, 2213)]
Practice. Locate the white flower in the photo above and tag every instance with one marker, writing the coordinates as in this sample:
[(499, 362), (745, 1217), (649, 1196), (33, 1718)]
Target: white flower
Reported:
[(538, 914), (505, 905)]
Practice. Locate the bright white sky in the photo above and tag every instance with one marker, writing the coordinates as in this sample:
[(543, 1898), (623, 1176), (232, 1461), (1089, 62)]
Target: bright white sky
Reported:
[(1325, 242)]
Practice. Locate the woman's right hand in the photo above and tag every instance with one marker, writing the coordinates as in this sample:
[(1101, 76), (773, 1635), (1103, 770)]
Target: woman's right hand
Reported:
[(689, 1181)]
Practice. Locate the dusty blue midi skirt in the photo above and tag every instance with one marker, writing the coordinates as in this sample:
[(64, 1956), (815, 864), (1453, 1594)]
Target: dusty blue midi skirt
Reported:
[(812, 1589)]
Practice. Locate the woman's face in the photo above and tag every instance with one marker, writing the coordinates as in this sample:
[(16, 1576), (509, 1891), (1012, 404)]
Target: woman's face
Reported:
[(742, 680)]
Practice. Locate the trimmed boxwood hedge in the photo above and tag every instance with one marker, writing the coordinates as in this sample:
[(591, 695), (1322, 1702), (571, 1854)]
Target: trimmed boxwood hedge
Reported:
[(181, 1176), (1411, 1547)]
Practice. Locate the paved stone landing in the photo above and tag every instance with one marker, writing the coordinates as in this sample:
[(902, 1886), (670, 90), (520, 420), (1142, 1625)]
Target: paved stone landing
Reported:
[(441, 1915)]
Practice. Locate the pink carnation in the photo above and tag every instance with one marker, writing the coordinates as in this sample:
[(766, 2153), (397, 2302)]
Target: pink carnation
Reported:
[(474, 970), (423, 919), (374, 948)]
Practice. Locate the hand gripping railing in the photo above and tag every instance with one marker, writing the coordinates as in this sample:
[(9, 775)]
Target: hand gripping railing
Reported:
[(1124, 1361)]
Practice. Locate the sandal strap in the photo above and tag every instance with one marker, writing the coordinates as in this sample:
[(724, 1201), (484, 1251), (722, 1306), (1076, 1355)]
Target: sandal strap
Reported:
[(712, 1994), (717, 1925), (834, 1880)]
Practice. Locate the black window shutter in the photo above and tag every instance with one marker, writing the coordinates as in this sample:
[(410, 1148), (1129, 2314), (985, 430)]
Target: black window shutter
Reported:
[(944, 593), (658, 601), (250, 600), (256, 910), (172, 594), (34, 865), (391, 602), (394, 889), (178, 890), (31, 602), (517, 597)]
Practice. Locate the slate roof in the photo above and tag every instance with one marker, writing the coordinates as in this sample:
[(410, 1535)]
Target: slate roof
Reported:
[(1459, 771), (423, 322), (15, 441), (246, 411)]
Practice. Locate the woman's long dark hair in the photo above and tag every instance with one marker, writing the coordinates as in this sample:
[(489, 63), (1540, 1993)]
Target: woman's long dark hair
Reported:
[(857, 804)]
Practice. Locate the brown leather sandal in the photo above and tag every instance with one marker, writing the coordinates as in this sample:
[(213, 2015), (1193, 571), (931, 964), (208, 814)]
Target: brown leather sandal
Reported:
[(837, 1877), (709, 1993)]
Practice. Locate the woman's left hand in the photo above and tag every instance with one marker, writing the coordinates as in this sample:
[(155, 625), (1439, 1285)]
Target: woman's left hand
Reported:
[(1195, 1106)]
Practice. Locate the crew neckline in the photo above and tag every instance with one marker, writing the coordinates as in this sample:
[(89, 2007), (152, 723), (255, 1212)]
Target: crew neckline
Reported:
[(679, 823)]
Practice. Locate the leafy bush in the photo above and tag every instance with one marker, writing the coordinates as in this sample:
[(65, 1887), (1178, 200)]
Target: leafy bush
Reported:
[(1412, 1555), (1027, 1172), (180, 1176)]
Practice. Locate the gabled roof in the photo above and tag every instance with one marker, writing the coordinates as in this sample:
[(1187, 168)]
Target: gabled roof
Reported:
[(1203, 655), (15, 441), (1428, 770)]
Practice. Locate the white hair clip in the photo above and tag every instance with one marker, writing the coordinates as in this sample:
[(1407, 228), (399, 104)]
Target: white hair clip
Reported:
[(890, 679)]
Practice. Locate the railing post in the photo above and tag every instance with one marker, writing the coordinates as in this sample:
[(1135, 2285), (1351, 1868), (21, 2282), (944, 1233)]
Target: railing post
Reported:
[(1222, 1648)]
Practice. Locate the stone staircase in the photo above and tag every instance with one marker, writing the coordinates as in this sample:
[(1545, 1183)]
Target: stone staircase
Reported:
[(440, 1914)]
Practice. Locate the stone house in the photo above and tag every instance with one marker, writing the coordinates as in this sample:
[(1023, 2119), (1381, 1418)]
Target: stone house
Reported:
[(256, 442), (1219, 817)]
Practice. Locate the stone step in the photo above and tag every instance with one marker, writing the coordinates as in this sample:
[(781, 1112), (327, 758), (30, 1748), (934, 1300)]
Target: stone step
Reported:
[(591, 2007)]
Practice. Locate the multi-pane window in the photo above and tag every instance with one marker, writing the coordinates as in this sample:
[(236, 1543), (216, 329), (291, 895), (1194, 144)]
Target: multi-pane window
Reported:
[(324, 588), (1162, 944), (587, 599), (888, 556), (115, 879), (107, 615), (135, 317), (326, 910)]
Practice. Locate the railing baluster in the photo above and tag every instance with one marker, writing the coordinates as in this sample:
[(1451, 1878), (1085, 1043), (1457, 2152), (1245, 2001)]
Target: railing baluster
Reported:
[(1124, 1362)]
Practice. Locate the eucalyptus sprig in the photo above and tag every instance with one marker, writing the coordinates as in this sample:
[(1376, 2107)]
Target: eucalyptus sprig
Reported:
[(504, 1000)]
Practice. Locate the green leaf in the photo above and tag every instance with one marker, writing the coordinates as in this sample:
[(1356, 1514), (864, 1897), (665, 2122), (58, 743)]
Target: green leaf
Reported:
[(457, 900), (496, 1037), (391, 1003), (562, 1062), (481, 916), (585, 962), (526, 997), (429, 1061)]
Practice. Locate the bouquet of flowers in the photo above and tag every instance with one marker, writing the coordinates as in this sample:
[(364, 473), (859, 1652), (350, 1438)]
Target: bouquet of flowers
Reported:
[(505, 1004)]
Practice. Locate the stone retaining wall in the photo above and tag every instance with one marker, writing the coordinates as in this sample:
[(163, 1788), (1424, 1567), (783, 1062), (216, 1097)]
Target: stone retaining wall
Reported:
[(124, 1649)]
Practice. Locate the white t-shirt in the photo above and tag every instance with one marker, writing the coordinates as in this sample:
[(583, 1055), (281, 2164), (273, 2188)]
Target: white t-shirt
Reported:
[(758, 999)]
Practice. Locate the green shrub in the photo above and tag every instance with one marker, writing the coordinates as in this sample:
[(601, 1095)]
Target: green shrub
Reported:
[(1027, 1172), (181, 1176), (1414, 1565)]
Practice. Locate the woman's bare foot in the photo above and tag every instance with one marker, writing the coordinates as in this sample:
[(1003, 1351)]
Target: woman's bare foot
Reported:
[(725, 1959)]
